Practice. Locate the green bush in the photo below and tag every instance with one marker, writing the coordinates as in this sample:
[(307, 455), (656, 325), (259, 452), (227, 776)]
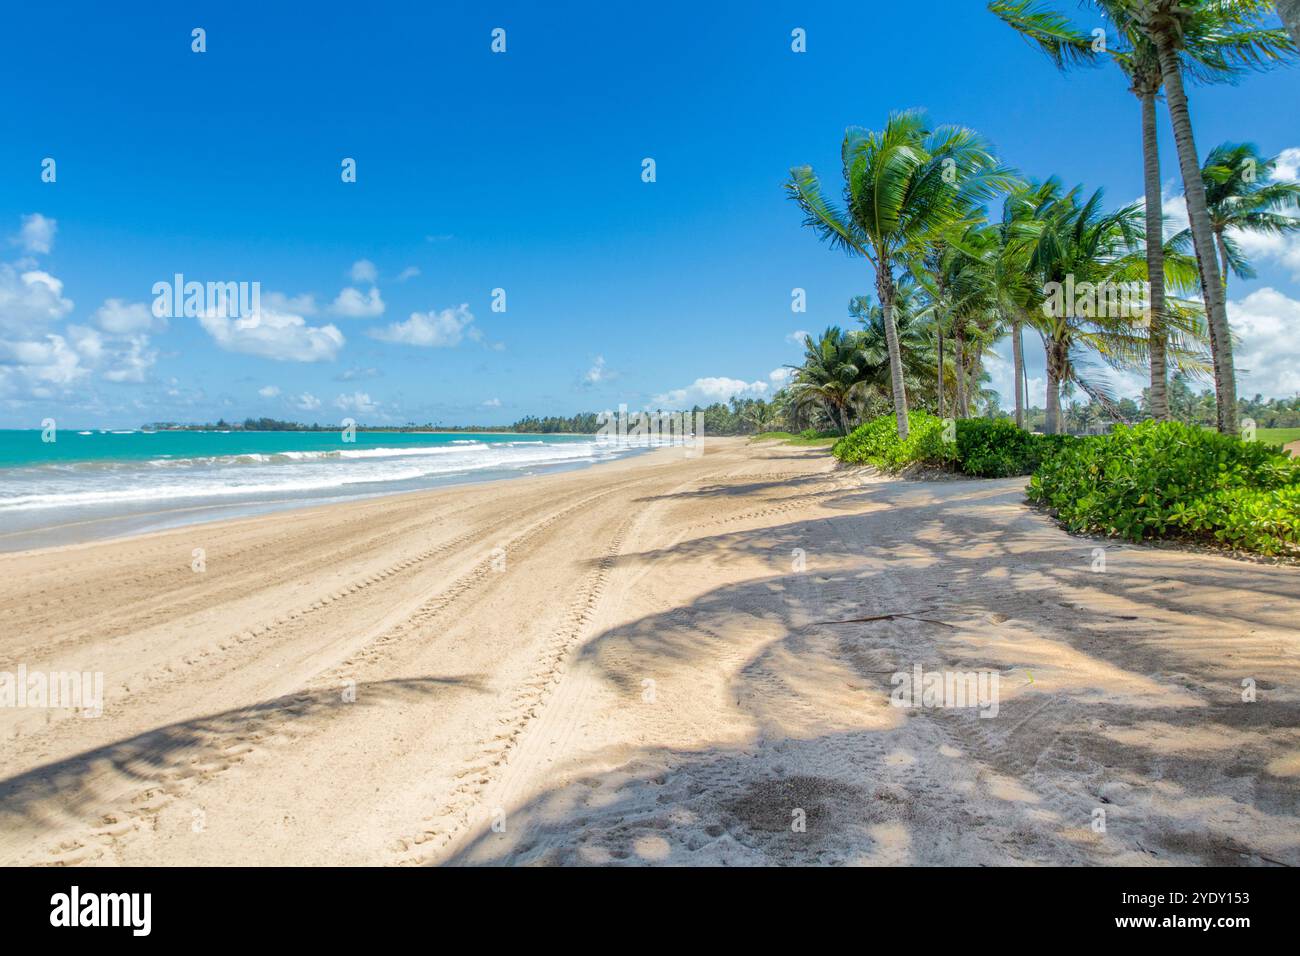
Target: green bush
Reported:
[(990, 448), (1160, 478), (877, 443)]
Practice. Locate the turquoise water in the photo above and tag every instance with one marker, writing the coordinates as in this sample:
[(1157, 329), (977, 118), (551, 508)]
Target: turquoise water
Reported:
[(95, 483), (19, 448)]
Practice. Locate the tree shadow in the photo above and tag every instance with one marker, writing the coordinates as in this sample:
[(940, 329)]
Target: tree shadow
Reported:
[(169, 754), (1120, 694)]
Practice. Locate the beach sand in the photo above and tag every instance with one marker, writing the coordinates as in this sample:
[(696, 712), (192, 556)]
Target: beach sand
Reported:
[(652, 661)]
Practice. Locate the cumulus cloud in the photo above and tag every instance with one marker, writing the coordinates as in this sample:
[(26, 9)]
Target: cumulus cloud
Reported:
[(706, 391), (353, 304), (358, 403), (268, 391), (431, 329), (1267, 357), (126, 318), (306, 402), (51, 360), (597, 373), (780, 377), (275, 335), (410, 272), (492, 403), (304, 304), (796, 337), (363, 270), (37, 234), (30, 299)]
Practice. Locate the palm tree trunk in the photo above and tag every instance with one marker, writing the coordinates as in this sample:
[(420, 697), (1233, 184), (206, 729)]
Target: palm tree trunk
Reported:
[(1055, 366), (1018, 361), (959, 370), (1157, 330), (885, 291), (1225, 379), (939, 329), (1223, 259)]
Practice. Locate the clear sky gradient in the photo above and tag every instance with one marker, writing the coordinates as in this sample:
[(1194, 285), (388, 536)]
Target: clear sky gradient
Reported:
[(519, 171)]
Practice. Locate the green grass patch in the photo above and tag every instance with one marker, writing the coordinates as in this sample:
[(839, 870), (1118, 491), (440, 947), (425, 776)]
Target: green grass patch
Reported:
[(807, 437), (1277, 436)]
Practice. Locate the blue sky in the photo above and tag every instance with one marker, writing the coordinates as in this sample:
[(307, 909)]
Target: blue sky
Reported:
[(519, 171)]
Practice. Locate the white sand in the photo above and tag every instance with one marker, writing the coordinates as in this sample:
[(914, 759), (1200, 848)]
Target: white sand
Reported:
[(647, 680)]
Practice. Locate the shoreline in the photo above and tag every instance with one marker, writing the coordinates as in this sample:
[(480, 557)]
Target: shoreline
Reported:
[(82, 524)]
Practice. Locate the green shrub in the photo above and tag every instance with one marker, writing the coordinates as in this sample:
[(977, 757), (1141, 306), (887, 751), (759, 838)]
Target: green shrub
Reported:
[(1160, 478), (1267, 521), (990, 448), (877, 443)]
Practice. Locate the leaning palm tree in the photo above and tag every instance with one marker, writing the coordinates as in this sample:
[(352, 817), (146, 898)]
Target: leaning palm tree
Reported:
[(902, 185), (1242, 199), (1240, 41)]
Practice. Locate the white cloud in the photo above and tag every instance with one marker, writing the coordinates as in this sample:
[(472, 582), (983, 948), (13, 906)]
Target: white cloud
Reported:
[(1257, 247), (780, 377), (51, 361), (274, 335), (304, 304), (597, 373), (123, 318), (358, 402), (352, 304), (1288, 164), (37, 234), (355, 373), (706, 391), (268, 391), (796, 337), (306, 402), (410, 272), (1267, 357), (492, 403), (363, 270), (29, 299), (431, 329), (130, 359)]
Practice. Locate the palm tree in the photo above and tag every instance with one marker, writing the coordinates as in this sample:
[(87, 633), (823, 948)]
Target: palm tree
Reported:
[(834, 374), (902, 186), (1241, 199), (1216, 44), (1231, 28), (915, 346), (1068, 46)]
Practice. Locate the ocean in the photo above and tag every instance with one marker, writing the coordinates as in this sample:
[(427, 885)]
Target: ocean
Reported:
[(102, 483)]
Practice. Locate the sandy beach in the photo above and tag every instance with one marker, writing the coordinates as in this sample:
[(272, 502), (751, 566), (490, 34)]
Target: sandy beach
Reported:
[(659, 660)]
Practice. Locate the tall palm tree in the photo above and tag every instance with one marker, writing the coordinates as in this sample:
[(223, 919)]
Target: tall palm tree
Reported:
[(1240, 42), (1241, 199), (902, 185), (1215, 44), (1066, 46), (834, 373)]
